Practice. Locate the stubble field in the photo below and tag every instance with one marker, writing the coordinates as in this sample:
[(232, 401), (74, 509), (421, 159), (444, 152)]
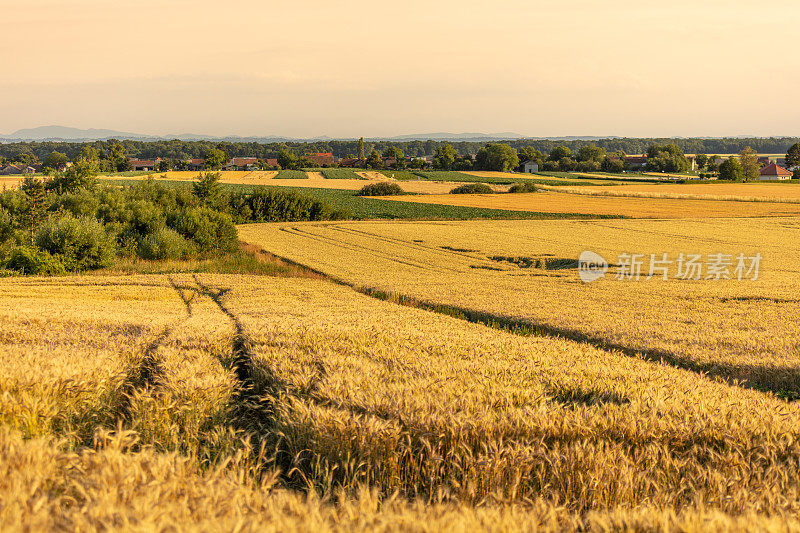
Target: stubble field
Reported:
[(608, 201)]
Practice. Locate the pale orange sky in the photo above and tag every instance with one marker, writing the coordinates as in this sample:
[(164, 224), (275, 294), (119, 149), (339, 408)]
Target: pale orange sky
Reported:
[(308, 68)]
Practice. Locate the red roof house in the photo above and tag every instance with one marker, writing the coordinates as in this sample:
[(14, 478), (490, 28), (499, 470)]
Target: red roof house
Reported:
[(320, 158), (774, 172)]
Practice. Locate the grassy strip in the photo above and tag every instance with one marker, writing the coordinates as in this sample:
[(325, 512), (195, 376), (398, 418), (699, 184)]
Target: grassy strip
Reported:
[(291, 175), (247, 260), (401, 175), (372, 208), (364, 208)]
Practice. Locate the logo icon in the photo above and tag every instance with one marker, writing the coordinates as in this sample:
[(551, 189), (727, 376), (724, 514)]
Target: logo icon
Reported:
[(591, 266)]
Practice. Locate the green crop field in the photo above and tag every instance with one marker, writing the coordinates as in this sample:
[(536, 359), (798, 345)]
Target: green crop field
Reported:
[(291, 175)]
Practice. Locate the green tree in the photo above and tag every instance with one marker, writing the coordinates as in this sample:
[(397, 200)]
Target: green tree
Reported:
[(445, 157), (559, 152), (702, 161), (497, 156), (395, 153), (591, 152), (529, 153), (374, 160), (666, 158), (26, 158), (612, 164), (731, 170), (748, 159), (209, 191), (287, 160), (55, 162), (793, 156), (361, 152), (216, 158), (116, 155), (35, 207)]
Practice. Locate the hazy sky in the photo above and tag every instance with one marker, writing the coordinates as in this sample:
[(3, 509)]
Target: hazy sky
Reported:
[(349, 68)]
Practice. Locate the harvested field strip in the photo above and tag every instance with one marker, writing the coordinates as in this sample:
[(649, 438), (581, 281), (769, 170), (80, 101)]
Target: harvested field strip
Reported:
[(340, 174), (665, 193), (601, 204)]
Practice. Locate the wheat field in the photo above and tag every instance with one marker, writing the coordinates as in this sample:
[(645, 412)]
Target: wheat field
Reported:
[(737, 330), (273, 404), (606, 201)]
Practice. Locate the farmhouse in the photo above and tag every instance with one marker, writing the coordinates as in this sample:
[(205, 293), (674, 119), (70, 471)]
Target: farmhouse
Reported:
[(530, 167), (774, 172), (271, 163), (17, 169), (635, 161), (320, 158), (197, 164), (241, 163), (145, 164)]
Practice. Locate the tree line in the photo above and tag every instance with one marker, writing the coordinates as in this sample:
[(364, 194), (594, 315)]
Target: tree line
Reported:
[(178, 150)]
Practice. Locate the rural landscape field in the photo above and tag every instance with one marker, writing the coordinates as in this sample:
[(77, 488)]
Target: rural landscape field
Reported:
[(399, 267)]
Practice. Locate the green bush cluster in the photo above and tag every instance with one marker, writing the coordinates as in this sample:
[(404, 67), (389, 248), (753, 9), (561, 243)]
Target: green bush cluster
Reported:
[(382, 188), (523, 186), (50, 230), (473, 188)]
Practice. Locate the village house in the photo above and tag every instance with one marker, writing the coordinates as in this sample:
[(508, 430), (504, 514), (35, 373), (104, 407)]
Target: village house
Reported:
[(271, 163), (145, 164), (773, 172), (196, 164), (17, 169), (635, 161), (242, 163), (322, 159), (350, 163), (530, 167)]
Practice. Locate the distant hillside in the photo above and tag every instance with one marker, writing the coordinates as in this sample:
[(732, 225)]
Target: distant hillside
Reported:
[(64, 133)]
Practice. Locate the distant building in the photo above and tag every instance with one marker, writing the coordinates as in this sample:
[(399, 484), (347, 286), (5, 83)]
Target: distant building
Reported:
[(773, 172), (242, 163), (320, 158), (530, 167), (17, 169), (271, 162), (197, 164), (350, 163), (635, 161), (145, 164)]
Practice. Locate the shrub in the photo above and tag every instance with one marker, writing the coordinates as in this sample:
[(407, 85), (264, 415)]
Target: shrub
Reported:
[(523, 186), (30, 260), (210, 230), (164, 243), (473, 188), (382, 188), (81, 243), (267, 205), (6, 225), (80, 203)]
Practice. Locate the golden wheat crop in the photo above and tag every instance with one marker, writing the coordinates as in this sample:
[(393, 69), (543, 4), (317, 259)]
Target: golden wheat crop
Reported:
[(746, 330), (737, 192), (605, 202), (231, 391)]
